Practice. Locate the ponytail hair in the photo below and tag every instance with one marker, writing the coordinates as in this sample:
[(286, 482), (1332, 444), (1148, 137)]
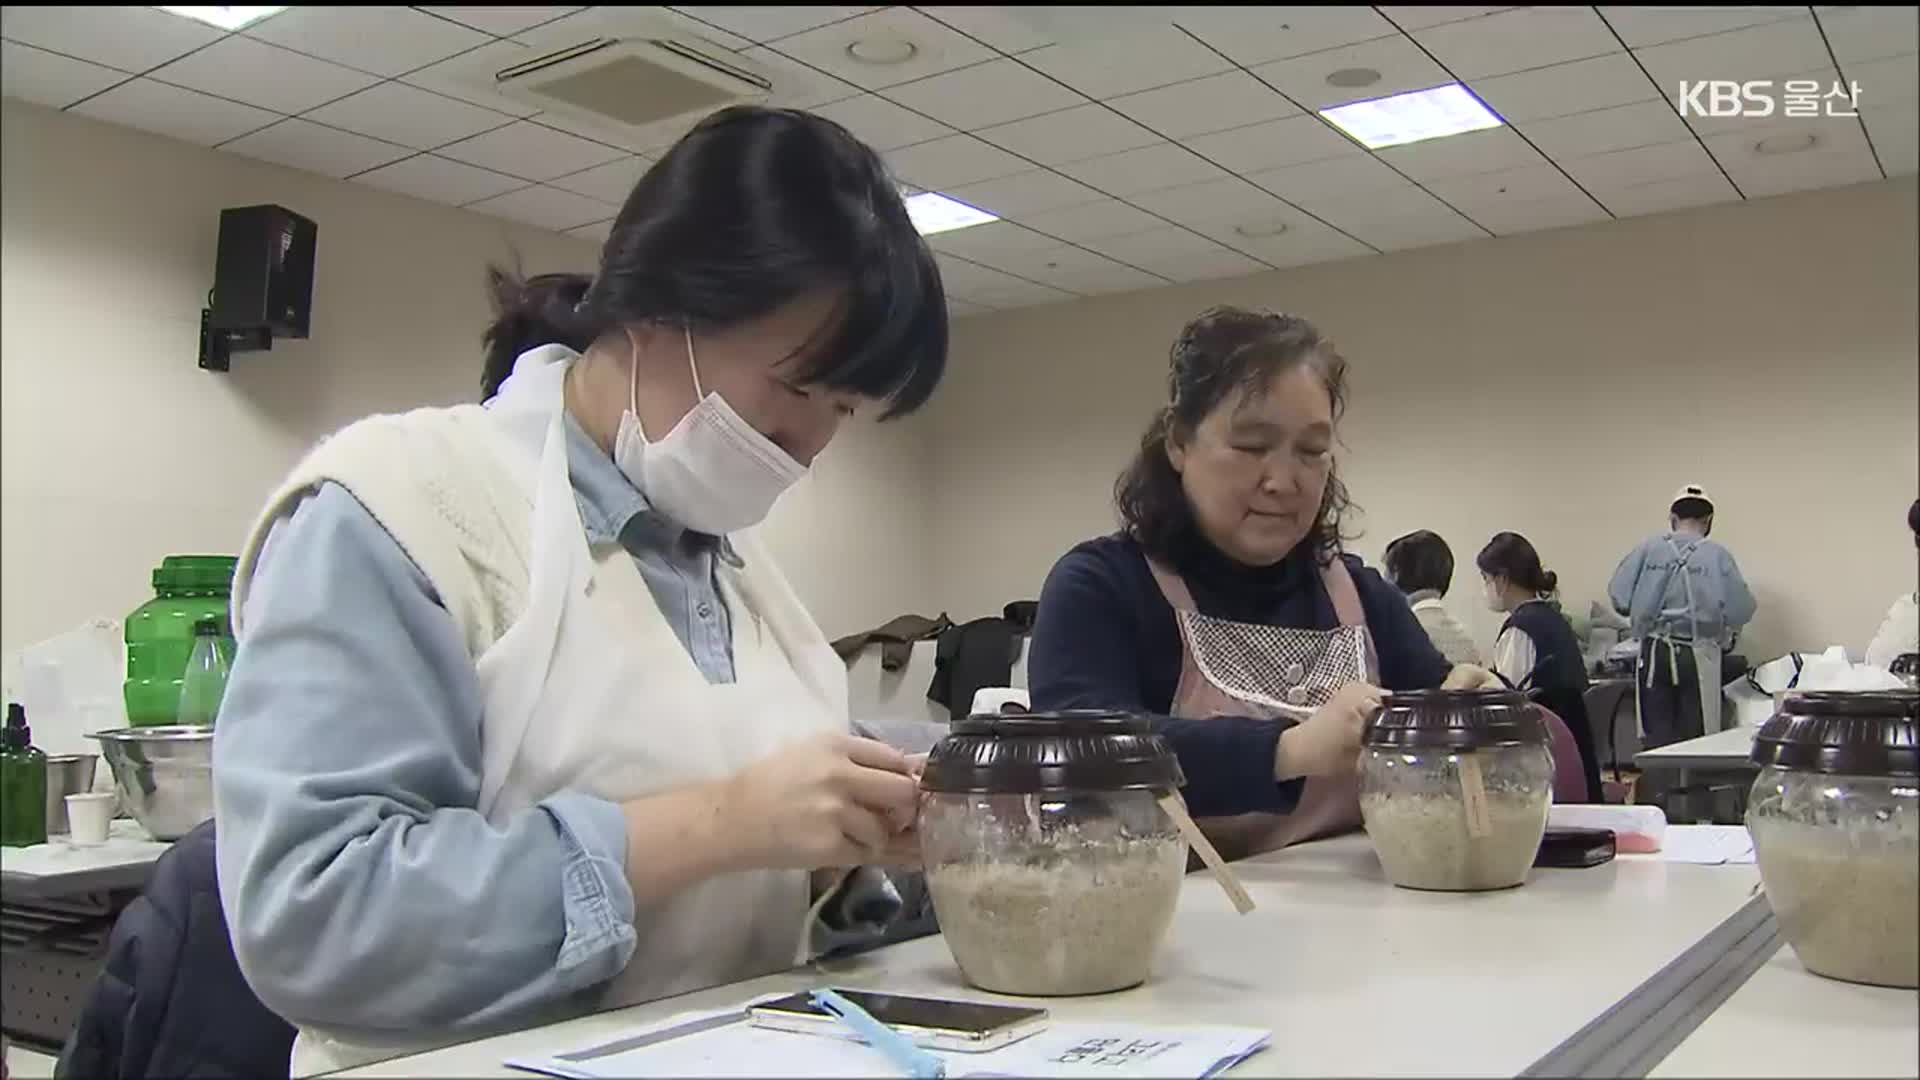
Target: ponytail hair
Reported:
[(1509, 555), (529, 312)]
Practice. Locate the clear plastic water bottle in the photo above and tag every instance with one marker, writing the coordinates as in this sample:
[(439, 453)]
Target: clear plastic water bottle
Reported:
[(205, 680)]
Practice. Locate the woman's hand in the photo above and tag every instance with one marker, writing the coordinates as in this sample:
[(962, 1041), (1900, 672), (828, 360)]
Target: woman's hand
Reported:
[(1469, 677), (1328, 742), (835, 800)]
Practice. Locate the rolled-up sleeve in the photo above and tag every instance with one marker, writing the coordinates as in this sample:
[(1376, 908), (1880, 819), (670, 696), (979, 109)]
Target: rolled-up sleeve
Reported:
[(363, 890)]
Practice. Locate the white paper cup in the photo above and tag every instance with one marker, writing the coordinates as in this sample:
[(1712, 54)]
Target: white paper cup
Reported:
[(88, 816)]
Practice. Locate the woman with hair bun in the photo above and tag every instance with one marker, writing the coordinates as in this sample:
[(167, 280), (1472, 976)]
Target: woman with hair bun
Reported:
[(523, 722)]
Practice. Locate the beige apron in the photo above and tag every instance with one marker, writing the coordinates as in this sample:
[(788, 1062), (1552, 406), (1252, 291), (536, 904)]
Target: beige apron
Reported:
[(1247, 669), (590, 690)]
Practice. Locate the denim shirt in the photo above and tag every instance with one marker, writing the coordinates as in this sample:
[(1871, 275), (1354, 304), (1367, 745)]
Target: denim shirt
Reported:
[(364, 891)]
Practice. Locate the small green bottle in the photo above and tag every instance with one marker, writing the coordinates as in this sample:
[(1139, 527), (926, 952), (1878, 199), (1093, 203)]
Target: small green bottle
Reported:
[(23, 784)]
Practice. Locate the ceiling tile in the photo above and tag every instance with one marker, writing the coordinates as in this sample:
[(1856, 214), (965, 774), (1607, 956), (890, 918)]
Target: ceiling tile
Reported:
[(1518, 39), (409, 116), (1025, 193), (798, 86), (1620, 169), (1839, 156), (1091, 221), (997, 27), (544, 207), (1421, 16), (1871, 33), (1221, 262), (302, 144), (1128, 62), (1200, 106), (1895, 133), (1886, 82), (938, 48), (530, 151), (983, 242), (1642, 26), (1274, 145), (1227, 199), (1459, 155), (985, 95), (1673, 193), (610, 183), (1757, 52), (959, 277), (1595, 83), (1417, 231), (241, 69), (651, 138), (1165, 242), (130, 39), (1522, 184), (1380, 204), (1070, 135), (881, 124), (596, 232), (383, 40), (1601, 130), (1345, 175), (1149, 168), (961, 309), (626, 21), (440, 180), (50, 79), (771, 23), (953, 161), (502, 21), (1304, 241), (1071, 268), (169, 110), (1533, 215), (1401, 64), (1260, 34), (454, 77), (1020, 294)]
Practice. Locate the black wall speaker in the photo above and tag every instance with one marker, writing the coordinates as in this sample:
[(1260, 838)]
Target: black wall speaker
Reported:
[(263, 273)]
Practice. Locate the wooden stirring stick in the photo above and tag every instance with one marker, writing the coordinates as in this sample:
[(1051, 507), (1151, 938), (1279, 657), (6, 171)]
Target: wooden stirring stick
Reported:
[(1176, 808)]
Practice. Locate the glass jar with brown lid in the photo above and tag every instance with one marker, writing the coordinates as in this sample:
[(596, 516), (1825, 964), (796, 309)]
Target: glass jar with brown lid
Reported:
[(1835, 817)]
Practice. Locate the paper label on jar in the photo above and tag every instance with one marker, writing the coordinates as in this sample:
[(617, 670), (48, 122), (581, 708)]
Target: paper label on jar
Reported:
[(1473, 792)]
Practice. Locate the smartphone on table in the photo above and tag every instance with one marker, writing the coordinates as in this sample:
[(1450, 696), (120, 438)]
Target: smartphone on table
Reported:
[(965, 1027)]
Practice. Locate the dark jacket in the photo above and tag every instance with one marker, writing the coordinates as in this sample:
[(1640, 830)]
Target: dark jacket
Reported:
[(171, 1000)]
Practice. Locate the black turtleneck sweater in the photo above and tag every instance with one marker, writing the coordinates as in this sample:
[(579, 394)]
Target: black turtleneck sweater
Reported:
[(1106, 638)]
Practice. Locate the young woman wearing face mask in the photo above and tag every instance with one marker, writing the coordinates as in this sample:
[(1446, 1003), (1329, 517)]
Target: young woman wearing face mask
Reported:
[(522, 722), (1225, 606), (1536, 650)]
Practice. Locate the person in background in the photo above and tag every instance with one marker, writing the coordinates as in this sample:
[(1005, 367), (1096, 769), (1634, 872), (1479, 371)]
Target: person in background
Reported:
[(524, 722), (1685, 600), (1420, 564), (1535, 650), (1226, 606), (1899, 632)]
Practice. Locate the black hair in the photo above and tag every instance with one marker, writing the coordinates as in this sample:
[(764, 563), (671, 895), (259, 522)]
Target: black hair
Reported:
[(1420, 561), (1692, 509), (749, 210), (1509, 555), (1222, 350), (1913, 520)]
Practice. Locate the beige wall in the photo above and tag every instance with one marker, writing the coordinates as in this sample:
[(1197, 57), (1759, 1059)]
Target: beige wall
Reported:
[(118, 450), (1561, 385)]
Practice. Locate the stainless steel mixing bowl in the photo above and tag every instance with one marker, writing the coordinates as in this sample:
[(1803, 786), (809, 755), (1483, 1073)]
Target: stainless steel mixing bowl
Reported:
[(164, 775)]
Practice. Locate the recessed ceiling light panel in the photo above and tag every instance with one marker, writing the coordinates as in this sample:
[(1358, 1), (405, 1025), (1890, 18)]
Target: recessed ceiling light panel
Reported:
[(933, 213), (226, 18), (1412, 117)]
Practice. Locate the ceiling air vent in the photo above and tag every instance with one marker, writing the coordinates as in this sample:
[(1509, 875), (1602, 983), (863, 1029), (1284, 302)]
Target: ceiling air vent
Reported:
[(632, 82)]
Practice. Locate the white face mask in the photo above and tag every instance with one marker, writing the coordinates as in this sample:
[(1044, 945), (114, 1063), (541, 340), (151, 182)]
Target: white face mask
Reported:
[(714, 472)]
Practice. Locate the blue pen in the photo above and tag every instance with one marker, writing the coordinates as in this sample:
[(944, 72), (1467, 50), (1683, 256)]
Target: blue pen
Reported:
[(899, 1049)]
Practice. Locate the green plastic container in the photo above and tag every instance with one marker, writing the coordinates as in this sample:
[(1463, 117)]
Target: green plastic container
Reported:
[(187, 589)]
